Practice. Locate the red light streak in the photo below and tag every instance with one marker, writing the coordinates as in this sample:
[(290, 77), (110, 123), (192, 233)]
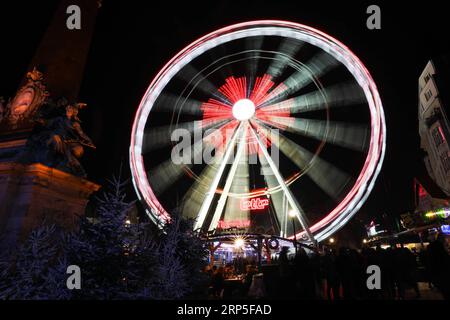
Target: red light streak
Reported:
[(235, 89)]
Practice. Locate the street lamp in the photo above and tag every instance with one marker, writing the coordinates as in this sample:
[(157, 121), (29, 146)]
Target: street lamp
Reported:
[(331, 240), (293, 215)]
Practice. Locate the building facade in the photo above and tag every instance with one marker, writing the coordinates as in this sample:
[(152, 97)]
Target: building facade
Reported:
[(434, 126)]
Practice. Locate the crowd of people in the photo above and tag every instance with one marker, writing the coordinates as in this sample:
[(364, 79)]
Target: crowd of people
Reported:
[(336, 274), (234, 279)]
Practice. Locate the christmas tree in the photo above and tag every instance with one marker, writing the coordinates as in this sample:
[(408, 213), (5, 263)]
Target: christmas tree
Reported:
[(117, 259)]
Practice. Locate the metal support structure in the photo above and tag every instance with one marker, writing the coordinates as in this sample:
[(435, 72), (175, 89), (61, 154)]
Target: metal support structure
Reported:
[(295, 236), (212, 190), (259, 254), (229, 182), (290, 198)]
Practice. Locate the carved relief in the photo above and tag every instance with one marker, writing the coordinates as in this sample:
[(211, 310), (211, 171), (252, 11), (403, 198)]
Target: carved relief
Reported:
[(27, 101)]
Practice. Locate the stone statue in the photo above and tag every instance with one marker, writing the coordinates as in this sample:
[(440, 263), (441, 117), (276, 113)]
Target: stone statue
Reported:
[(58, 141)]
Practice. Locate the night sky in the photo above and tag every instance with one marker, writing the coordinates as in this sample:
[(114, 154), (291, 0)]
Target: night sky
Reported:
[(133, 41)]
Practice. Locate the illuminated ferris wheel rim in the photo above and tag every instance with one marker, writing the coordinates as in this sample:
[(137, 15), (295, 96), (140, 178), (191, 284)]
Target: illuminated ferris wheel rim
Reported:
[(372, 166)]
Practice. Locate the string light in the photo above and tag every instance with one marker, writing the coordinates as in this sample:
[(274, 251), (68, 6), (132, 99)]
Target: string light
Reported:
[(442, 213)]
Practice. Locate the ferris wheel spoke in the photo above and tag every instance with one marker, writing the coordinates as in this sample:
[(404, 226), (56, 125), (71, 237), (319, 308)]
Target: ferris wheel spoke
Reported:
[(168, 172), (286, 50), (240, 184), (290, 198), (201, 83), (175, 104), (324, 174), (201, 216), (338, 95), (314, 69), (195, 196), (347, 135), (277, 198), (252, 46), (237, 181)]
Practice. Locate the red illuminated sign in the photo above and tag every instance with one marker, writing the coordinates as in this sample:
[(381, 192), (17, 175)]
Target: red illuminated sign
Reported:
[(254, 204), (233, 224)]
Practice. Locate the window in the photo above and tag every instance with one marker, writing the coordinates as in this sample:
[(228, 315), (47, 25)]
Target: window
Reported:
[(426, 78), (428, 95), (445, 162), (437, 137)]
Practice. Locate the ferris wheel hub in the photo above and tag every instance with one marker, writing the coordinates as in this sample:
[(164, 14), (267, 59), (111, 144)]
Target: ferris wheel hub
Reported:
[(243, 109)]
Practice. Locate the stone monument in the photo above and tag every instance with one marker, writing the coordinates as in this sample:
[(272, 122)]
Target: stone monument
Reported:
[(41, 178), (41, 137)]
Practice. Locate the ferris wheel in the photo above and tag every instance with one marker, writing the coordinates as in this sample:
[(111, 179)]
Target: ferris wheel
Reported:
[(265, 126)]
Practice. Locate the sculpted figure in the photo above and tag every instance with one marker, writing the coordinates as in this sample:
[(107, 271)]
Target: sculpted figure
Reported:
[(59, 141)]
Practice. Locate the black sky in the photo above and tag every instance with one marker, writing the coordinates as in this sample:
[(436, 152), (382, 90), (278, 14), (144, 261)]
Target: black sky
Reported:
[(134, 39)]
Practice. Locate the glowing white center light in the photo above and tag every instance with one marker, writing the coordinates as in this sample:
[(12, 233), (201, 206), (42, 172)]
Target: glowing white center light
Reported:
[(239, 243), (243, 109)]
